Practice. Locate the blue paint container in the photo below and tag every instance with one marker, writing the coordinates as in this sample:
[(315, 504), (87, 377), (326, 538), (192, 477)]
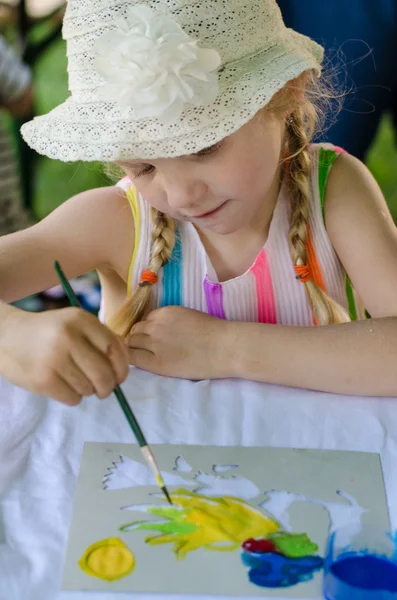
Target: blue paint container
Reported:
[(360, 564)]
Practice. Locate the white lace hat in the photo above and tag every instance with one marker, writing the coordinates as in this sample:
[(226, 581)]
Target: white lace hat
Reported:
[(162, 78)]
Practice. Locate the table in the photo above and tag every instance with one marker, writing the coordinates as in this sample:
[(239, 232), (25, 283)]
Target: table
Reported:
[(44, 450)]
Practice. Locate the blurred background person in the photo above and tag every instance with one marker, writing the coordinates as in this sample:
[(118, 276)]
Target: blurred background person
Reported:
[(16, 97)]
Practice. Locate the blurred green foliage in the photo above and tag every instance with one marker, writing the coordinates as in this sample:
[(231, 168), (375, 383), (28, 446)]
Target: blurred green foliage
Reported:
[(57, 181)]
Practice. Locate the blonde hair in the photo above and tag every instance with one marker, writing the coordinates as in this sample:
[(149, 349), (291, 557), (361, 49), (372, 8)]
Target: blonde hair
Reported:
[(137, 306), (324, 308), (301, 99), (308, 101)]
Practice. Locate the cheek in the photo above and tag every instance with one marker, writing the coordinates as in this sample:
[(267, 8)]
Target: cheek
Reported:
[(255, 176), (260, 157), (152, 193)]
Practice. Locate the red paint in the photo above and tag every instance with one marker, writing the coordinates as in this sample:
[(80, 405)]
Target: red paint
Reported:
[(259, 546)]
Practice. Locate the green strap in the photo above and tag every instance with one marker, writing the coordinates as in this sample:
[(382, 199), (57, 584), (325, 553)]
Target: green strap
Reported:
[(350, 299), (326, 160)]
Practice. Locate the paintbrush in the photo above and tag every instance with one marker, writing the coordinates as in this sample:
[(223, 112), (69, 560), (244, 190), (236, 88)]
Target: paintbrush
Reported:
[(125, 407)]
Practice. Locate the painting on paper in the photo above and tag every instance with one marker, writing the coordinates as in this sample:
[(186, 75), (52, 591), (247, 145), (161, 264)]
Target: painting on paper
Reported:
[(244, 521)]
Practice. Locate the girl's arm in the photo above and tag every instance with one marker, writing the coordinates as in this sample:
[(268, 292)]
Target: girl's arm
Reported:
[(351, 358), (363, 234), (66, 353), (92, 230)]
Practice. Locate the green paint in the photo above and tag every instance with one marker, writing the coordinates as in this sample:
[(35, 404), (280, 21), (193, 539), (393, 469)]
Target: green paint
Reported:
[(168, 512), (194, 521), (167, 527), (294, 545), (177, 523)]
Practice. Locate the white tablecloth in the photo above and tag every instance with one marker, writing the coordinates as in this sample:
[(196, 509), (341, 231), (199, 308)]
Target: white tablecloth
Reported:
[(41, 443)]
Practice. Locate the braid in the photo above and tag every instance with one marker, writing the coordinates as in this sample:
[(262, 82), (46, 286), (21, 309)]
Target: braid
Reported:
[(138, 305), (324, 309), (163, 239)]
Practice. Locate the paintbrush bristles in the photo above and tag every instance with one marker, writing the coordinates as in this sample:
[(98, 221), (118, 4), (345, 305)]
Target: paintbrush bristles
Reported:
[(165, 491), (149, 457)]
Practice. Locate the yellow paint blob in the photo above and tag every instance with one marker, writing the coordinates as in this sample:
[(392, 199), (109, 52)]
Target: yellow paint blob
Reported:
[(159, 481), (214, 523), (108, 559)]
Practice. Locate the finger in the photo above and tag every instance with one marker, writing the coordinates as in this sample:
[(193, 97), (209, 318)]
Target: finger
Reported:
[(76, 379), (142, 359), (140, 327), (61, 390), (99, 336), (140, 341), (96, 367), (152, 315), (109, 344), (118, 355)]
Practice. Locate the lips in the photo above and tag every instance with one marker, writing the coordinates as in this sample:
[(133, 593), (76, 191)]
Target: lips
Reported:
[(209, 213)]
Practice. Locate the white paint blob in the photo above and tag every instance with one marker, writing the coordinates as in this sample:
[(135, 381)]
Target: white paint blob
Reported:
[(223, 468), (226, 486), (131, 473), (127, 473), (181, 465), (340, 515)]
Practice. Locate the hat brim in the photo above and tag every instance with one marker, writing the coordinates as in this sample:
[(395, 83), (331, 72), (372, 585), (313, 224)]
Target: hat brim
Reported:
[(102, 131)]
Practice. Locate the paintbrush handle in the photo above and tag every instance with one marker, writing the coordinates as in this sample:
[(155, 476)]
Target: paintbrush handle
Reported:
[(67, 288), (125, 407), (140, 438), (149, 457)]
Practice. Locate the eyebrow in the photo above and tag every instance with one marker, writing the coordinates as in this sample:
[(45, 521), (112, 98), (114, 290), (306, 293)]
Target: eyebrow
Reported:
[(207, 149), (130, 165), (143, 162)]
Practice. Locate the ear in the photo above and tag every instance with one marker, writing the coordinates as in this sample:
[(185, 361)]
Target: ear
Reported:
[(289, 118)]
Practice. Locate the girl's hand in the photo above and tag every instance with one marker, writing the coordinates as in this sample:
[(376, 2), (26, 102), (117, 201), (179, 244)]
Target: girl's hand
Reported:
[(179, 342), (64, 354)]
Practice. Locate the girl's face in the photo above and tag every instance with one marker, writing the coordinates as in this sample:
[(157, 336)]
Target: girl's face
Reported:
[(223, 188)]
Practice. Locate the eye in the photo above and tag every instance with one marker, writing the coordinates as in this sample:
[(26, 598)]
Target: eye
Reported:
[(209, 150), (145, 171)]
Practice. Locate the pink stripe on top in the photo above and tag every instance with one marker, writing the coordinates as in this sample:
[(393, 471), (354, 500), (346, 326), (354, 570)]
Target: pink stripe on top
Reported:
[(264, 289), (339, 150)]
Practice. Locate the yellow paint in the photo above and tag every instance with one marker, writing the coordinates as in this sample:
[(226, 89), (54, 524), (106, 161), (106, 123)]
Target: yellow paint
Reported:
[(159, 481), (219, 523), (108, 559)]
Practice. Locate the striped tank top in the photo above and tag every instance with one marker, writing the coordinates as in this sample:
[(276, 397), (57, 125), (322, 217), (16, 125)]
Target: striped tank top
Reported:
[(269, 291)]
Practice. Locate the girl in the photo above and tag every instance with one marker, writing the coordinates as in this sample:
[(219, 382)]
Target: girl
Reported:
[(237, 243)]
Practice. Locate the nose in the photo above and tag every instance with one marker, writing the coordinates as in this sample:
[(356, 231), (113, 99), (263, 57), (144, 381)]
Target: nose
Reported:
[(184, 192)]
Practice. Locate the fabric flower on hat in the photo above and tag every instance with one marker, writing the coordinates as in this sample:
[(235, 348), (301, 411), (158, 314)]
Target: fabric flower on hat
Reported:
[(151, 65)]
